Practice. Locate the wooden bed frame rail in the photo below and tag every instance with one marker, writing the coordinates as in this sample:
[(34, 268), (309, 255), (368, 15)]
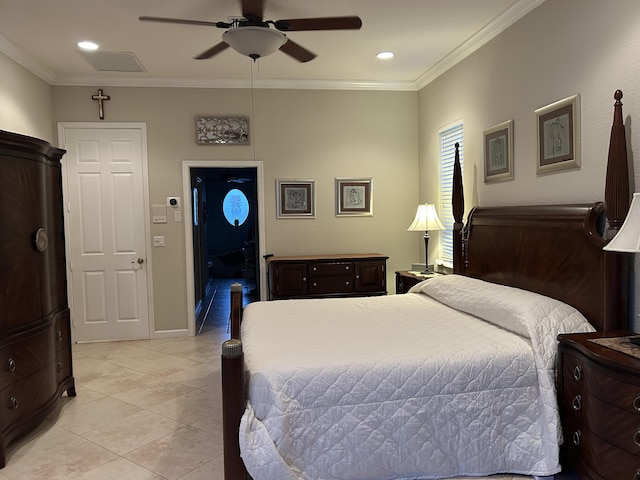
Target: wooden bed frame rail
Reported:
[(559, 240)]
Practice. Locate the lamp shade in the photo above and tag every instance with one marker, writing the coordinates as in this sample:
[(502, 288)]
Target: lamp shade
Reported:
[(628, 237), (254, 42), (426, 219)]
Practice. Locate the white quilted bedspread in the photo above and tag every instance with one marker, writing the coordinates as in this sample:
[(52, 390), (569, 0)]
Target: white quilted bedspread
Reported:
[(404, 386)]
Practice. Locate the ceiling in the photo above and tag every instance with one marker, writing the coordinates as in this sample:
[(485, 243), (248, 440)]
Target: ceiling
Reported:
[(427, 37)]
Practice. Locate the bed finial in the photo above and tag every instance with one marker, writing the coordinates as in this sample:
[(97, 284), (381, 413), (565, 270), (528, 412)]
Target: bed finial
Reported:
[(616, 193), (457, 204)]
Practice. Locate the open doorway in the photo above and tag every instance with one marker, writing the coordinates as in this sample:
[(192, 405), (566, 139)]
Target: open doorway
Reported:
[(225, 238)]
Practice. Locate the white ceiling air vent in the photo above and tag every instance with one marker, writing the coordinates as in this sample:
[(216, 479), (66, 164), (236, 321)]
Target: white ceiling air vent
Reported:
[(112, 61)]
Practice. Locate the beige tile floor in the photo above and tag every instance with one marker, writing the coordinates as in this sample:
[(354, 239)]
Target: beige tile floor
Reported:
[(145, 410)]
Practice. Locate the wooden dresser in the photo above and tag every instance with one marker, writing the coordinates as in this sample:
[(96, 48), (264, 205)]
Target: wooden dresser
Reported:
[(35, 341), (599, 398), (327, 276)]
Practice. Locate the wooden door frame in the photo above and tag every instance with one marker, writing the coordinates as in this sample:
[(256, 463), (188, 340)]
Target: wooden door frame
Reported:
[(187, 165), (142, 127)]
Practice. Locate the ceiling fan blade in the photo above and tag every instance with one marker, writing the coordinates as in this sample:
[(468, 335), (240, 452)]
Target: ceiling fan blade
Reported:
[(253, 9), (326, 23), (296, 51), (185, 22), (212, 51)]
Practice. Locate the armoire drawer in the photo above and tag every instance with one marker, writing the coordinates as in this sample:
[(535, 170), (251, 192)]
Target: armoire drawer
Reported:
[(62, 331), (22, 398), (25, 356), (63, 364)]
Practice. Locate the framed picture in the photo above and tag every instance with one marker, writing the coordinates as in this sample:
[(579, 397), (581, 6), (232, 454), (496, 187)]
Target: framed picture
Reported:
[(353, 196), (498, 153), (558, 144), (222, 130), (295, 199)]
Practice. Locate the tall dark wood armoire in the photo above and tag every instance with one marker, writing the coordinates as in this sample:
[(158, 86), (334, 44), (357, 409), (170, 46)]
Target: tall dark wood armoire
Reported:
[(35, 333)]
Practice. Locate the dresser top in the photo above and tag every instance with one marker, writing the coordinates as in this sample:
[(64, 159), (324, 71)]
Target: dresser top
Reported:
[(331, 257), (614, 358)]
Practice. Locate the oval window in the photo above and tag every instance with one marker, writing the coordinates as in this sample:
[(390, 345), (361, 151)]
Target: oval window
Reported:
[(235, 207)]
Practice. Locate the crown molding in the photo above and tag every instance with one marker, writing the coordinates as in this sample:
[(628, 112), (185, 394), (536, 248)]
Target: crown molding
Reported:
[(180, 82), (491, 30), (16, 54)]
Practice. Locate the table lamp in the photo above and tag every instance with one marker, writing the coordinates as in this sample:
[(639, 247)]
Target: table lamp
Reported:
[(426, 219), (628, 237)]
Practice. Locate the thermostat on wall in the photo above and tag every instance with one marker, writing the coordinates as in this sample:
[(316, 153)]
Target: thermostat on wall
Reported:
[(173, 202)]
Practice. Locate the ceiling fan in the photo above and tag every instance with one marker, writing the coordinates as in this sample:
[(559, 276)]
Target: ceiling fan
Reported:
[(253, 36), (230, 178)]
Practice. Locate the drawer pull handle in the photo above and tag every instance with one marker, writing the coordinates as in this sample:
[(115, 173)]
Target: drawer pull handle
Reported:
[(346, 283), (347, 267), (12, 365), (577, 372), (576, 438), (304, 279), (315, 284), (577, 403), (13, 403), (59, 336), (60, 367), (636, 403)]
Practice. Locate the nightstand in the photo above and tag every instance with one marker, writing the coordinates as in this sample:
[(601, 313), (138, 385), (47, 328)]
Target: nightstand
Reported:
[(599, 400), (406, 279)]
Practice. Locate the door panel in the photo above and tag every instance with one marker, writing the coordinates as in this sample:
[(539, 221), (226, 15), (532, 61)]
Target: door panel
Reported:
[(107, 231)]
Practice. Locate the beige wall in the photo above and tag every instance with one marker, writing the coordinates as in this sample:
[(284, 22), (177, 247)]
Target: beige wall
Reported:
[(562, 48), (296, 134), (25, 101)]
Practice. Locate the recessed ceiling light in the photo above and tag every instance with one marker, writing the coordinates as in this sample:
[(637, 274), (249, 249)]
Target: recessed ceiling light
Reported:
[(385, 55), (87, 45)]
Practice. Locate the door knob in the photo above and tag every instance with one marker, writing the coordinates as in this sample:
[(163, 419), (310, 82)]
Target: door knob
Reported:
[(140, 261)]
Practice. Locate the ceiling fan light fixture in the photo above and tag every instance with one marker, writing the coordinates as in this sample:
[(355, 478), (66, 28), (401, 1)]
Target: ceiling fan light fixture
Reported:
[(254, 42)]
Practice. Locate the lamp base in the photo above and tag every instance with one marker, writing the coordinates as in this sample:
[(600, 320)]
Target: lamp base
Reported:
[(428, 270)]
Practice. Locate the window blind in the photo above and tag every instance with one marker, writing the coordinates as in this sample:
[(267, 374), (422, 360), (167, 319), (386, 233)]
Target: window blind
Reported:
[(448, 139)]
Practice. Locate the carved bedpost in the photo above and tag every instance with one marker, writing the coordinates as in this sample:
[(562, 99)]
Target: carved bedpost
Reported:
[(616, 192), (233, 406), (616, 195), (235, 315), (457, 203), (233, 390)]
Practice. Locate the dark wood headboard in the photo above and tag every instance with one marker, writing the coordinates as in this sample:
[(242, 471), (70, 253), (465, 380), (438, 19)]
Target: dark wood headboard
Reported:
[(556, 250)]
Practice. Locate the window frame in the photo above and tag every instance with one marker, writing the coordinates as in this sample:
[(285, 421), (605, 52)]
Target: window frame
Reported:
[(447, 138)]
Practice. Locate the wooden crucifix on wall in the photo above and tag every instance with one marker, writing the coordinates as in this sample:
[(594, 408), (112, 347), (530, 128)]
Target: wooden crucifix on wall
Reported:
[(100, 97)]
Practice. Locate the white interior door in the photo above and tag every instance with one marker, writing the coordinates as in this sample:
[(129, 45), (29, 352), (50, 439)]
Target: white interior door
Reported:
[(106, 224)]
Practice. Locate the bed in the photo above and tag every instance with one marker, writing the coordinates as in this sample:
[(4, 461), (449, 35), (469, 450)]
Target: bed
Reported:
[(455, 378)]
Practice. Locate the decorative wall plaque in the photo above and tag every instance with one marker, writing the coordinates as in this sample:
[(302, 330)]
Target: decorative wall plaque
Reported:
[(222, 130)]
